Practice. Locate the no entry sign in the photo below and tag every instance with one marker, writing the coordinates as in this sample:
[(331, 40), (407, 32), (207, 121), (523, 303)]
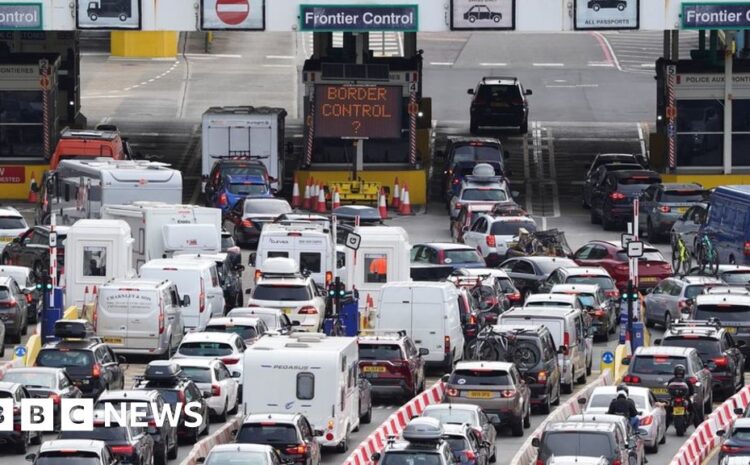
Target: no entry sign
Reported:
[(243, 15), (232, 12)]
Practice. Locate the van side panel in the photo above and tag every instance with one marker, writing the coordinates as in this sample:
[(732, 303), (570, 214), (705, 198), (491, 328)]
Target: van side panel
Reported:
[(429, 321), (188, 283), (728, 224), (112, 316), (395, 310), (143, 320)]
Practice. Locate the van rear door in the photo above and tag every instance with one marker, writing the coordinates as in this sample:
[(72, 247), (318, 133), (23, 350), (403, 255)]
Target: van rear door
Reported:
[(143, 320), (429, 321), (112, 316), (395, 309)]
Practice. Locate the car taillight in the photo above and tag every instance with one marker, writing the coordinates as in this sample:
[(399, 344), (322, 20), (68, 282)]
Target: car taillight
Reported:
[(258, 274), (612, 293), (665, 209), (747, 248), (693, 380), (469, 455), (161, 319), (297, 450), (122, 450), (55, 398), (631, 379), (645, 421), (181, 397), (96, 371), (472, 319), (152, 426), (247, 223), (617, 462), (329, 277), (678, 400), (491, 241), (542, 376), (451, 392), (458, 205), (507, 393), (8, 303), (309, 310), (515, 297), (617, 196), (447, 344), (566, 339), (599, 313), (17, 427), (202, 297), (622, 267), (727, 449), (441, 256), (540, 462), (223, 199), (29, 298), (215, 390), (230, 361), (456, 181), (721, 362)]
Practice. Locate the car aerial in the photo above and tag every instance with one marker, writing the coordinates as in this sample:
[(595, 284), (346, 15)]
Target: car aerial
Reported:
[(467, 414), (247, 217), (255, 454), (26, 281), (229, 269), (528, 273), (499, 101), (716, 348), (232, 188), (603, 314), (77, 451), (597, 175), (214, 377), (731, 274), (165, 436), (612, 198), (132, 444), (12, 225), (227, 347), (583, 439), (166, 377), (583, 275), (422, 443), (466, 445), (14, 309), (497, 387), (291, 434), (45, 383), (662, 204), (651, 413), (248, 328), (653, 366), (672, 299), (689, 224), (479, 190), (16, 436), (463, 153), (492, 236), (652, 267), (501, 279), (447, 253), (31, 249), (465, 218), (231, 167), (274, 318), (392, 363), (282, 286), (735, 439), (732, 311), (482, 12)]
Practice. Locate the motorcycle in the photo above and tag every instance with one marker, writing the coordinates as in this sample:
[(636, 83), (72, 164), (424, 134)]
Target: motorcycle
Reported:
[(680, 406)]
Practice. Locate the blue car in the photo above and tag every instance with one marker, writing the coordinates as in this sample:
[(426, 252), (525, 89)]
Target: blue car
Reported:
[(234, 188), (728, 224)]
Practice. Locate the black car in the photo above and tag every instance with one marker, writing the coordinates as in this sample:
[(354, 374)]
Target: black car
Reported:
[(528, 273), (610, 158), (31, 249), (499, 101), (597, 175), (16, 437), (14, 309), (166, 377), (230, 167), (291, 434), (45, 383), (612, 199), (246, 219), (463, 153)]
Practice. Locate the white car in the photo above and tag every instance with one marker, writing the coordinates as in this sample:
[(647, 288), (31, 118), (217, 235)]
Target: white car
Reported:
[(248, 328), (214, 377), (653, 417), (249, 454), (553, 300), (12, 225), (490, 192), (275, 319), (282, 286), (492, 236), (227, 347), (72, 451)]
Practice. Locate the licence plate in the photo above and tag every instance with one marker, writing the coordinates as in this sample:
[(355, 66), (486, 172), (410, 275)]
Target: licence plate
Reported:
[(648, 279), (287, 311), (659, 390), (113, 340), (373, 369), (678, 411), (479, 395), (6, 238), (730, 329), (499, 105), (682, 209)]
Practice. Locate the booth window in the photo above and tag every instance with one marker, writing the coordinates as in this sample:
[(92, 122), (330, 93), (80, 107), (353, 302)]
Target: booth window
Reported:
[(700, 126), (376, 268), (20, 124), (309, 261), (305, 386), (94, 261)]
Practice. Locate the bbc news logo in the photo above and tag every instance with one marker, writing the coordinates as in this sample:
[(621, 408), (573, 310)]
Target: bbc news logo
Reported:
[(80, 415)]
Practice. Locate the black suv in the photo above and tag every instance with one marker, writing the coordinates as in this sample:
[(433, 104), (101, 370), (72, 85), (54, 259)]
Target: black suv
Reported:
[(166, 377), (717, 349), (290, 434), (499, 101), (31, 249), (612, 199), (596, 176), (463, 153)]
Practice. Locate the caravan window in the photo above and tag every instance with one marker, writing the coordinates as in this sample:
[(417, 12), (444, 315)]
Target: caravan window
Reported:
[(309, 261), (94, 261), (305, 386), (276, 254)]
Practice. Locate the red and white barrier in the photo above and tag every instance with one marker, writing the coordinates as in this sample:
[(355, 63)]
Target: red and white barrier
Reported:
[(703, 441), (223, 435), (526, 455), (393, 426)]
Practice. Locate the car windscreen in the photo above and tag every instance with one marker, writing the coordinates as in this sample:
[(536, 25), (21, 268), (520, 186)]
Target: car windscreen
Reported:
[(604, 282), (416, 457), (586, 300), (171, 396), (380, 352), (476, 152), (705, 346), (576, 443), (65, 358), (12, 222), (641, 181), (237, 458), (283, 293), (451, 415), (245, 332), (603, 400), (547, 303), (484, 195), (270, 433), (507, 285), (741, 434), (67, 457), (725, 313), (32, 380), (270, 206), (656, 364), (498, 93), (692, 291), (243, 170), (510, 228), (736, 277), (457, 443), (247, 189), (466, 377), (461, 256), (111, 434), (682, 196), (205, 349), (198, 374), (4, 293)]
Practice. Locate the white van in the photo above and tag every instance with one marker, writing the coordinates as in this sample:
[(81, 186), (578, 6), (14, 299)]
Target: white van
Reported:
[(569, 333), (307, 373), (140, 316), (196, 278), (429, 313)]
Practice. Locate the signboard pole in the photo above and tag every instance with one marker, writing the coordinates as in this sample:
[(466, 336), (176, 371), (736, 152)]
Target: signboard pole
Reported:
[(728, 62), (413, 110), (672, 116), (334, 231), (52, 257), (310, 122), (44, 84)]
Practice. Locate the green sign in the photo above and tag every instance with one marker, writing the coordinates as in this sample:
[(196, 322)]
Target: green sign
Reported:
[(729, 16), (359, 18), (20, 16)]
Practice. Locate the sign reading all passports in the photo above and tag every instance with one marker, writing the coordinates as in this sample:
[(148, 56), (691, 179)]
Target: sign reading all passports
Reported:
[(716, 16), (367, 112), (483, 14), (607, 14), (357, 18)]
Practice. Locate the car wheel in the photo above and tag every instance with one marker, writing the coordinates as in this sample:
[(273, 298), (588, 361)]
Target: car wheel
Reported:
[(5, 259), (367, 418), (25, 326), (566, 388), (546, 407), (37, 441), (595, 218), (344, 444), (37, 269), (172, 453), (524, 128), (2, 349), (653, 449), (588, 366), (23, 445), (607, 224), (163, 456), (223, 416), (517, 427), (559, 395), (709, 407), (667, 320), (527, 418)]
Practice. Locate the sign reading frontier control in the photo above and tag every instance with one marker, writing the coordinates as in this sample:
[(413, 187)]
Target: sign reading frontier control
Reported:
[(19, 16), (355, 18), (716, 16), (367, 112)]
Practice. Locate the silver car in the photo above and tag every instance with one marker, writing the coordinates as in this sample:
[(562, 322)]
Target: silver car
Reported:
[(663, 203), (688, 224), (673, 298)]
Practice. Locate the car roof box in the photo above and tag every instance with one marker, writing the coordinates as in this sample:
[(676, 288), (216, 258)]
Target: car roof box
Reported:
[(74, 329), (423, 430), (162, 371)]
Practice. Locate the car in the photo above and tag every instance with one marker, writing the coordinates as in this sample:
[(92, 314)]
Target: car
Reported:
[(583, 275), (731, 274), (717, 349), (528, 273), (31, 249), (16, 437), (688, 224), (130, 443), (554, 300), (653, 366), (616, 158), (45, 383), (365, 400), (480, 190), (492, 236), (652, 267), (247, 217), (90, 364), (499, 101), (213, 376), (662, 204), (651, 413), (479, 383), (501, 279), (447, 253), (726, 289), (232, 188), (596, 5), (672, 299), (14, 309), (392, 363), (463, 153), (77, 451), (165, 436), (227, 347), (466, 446), (583, 439), (612, 199), (467, 414), (486, 300), (291, 434), (248, 328), (422, 443), (255, 454), (604, 315), (12, 225), (282, 286), (735, 439), (482, 12), (465, 218), (26, 280), (166, 377), (231, 167), (596, 175), (733, 313), (229, 269), (275, 319)]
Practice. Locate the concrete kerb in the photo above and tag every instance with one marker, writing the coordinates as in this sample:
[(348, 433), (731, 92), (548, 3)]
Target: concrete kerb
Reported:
[(222, 436)]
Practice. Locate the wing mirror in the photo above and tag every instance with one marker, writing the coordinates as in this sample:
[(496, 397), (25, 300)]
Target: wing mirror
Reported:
[(739, 411), (581, 401), (239, 268), (236, 374), (657, 342), (122, 359), (251, 259), (535, 442), (740, 344), (318, 432), (515, 194), (200, 460), (494, 419), (185, 302), (626, 360), (528, 92), (375, 457), (295, 323), (207, 394), (445, 378), (721, 432), (470, 91)]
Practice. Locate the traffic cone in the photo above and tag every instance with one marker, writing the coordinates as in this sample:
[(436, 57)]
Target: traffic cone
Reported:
[(396, 195), (33, 197), (382, 208), (321, 207), (85, 295), (336, 199), (405, 203), (307, 205), (314, 196), (295, 193)]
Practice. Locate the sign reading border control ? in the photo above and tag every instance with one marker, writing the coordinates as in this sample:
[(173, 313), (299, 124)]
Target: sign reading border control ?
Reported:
[(731, 16), (607, 14), (359, 18), (20, 16)]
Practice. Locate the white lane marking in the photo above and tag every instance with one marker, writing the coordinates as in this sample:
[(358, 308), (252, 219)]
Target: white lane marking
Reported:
[(602, 65), (570, 86), (271, 65), (560, 80), (279, 57), (555, 65), (86, 97), (648, 65), (642, 141), (494, 65), (441, 63), (213, 55)]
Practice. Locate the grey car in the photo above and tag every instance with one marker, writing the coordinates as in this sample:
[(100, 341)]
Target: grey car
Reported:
[(653, 367), (663, 203), (673, 298), (473, 415), (688, 225), (14, 311)]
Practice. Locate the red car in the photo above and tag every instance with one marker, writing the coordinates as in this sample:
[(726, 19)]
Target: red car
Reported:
[(652, 267), (392, 363)]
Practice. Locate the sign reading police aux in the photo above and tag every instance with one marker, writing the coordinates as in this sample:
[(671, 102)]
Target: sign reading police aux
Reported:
[(368, 112)]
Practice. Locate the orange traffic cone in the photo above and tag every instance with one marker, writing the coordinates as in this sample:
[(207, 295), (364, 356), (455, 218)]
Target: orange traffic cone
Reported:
[(336, 199), (321, 207), (405, 203), (33, 197), (306, 198), (295, 193), (382, 208), (314, 196), (396, 195)]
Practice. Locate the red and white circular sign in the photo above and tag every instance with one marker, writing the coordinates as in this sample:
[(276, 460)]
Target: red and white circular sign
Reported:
[(232, 12)]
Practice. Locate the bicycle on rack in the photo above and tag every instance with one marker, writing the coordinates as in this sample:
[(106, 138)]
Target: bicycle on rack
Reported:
[(707, 255), (681, 258), (494, 346)]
